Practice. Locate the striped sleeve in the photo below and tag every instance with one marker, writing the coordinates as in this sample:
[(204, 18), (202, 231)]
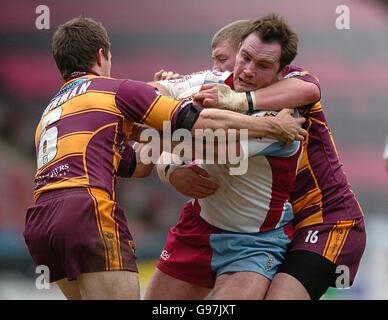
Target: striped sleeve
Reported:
[(140, 102)]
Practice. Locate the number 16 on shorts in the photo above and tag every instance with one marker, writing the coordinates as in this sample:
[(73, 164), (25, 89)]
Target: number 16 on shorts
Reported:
[(312, 236)]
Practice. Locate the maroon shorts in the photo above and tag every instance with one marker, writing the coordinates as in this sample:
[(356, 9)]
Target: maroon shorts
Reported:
[(78, 230), (342, 243)]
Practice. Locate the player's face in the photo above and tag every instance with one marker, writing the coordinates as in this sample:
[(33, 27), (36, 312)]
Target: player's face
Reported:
[(257, 64), (224, 57)]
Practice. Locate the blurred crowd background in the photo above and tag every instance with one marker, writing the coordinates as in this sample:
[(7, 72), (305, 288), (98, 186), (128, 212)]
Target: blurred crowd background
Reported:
[(146, 36)]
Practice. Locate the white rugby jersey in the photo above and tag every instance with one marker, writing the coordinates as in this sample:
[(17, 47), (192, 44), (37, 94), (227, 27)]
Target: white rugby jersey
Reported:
[(258, 200)]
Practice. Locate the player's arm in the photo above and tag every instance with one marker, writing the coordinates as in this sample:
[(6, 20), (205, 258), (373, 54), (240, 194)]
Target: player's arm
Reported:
[(188, 179), (140, 103), (142, 170), (283, 127), (300, 89), (180, 87)]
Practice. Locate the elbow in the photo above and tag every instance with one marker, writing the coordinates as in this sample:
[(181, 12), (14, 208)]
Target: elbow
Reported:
[(313, 93), (202, 121), (208, 119)]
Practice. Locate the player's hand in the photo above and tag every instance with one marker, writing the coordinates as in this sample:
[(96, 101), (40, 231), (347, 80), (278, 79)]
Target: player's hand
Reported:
[(166, 75), (193, 181), (136, 131), (220, 96), (288, 128), (386, 164), (207, 96)]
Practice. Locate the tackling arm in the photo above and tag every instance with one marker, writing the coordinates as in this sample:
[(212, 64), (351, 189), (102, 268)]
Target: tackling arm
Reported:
[(287, 93), (283, 127)]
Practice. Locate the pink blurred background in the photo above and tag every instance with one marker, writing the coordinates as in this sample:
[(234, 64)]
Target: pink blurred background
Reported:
[(352, 66)]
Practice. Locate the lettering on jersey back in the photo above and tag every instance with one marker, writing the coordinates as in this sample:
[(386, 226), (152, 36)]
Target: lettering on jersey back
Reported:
[(61, 99)]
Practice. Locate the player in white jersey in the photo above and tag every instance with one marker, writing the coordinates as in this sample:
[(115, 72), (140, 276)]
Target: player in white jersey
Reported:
[(239, 235)]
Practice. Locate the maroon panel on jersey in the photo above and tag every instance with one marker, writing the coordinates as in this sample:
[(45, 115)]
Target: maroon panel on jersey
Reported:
[(69, 167), (304, 185), (87, 121), (105, 84), (283, 171), (99, 159), (338, 201), (306, 212), (134, 98)]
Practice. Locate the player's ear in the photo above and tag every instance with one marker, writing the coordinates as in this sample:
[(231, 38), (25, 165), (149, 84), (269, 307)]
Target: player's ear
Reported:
[(286, 70), (100, 56)]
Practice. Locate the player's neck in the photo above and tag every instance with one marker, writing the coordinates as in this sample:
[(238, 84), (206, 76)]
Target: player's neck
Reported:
[(77, 74)]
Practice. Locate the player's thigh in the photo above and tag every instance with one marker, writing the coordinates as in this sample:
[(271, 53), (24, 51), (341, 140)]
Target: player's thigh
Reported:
[(164, 287), (286, 287), (70, 289), (306, 269), (315, 254), (240, 285), (109, 285)]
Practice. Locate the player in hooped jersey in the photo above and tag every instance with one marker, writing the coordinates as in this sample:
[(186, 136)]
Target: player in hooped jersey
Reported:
[(75, 227)]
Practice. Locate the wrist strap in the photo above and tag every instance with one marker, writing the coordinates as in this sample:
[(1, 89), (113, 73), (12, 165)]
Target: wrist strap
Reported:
[(250, 102), (165, 171)]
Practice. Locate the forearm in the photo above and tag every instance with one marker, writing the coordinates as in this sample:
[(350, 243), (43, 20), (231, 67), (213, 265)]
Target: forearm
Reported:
[(224, 119), (288, 93), (142, 170)]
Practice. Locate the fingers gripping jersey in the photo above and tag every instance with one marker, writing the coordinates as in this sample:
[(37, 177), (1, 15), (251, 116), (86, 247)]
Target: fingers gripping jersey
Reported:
[(82, 137)]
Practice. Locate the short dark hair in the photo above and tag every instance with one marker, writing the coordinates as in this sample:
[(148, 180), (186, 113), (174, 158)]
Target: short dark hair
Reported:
[(273, 28), (231, 33), (76, 43)]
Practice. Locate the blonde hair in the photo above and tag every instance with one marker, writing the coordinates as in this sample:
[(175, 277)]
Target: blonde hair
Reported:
[(231, 33)]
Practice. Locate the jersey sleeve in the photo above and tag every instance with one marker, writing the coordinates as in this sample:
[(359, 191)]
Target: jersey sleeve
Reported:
[(190, 84), (140, 102), (299, 73)]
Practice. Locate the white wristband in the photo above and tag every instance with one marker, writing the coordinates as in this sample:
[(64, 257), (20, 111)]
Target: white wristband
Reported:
[(235, 101), (165, 171)]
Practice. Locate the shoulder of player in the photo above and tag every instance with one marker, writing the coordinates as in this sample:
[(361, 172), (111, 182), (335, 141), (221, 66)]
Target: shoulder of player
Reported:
[(297, 71), (118, 86)]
